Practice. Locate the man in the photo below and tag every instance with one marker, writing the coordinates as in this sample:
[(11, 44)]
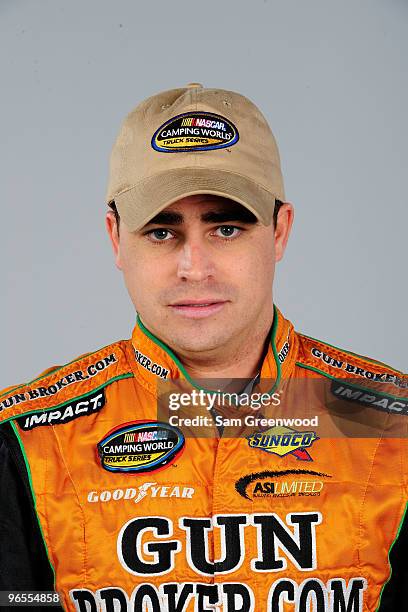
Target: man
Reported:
[(218, 459)]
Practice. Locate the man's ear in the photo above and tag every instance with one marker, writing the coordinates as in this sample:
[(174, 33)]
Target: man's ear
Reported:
[(113, 233), (283, 227)]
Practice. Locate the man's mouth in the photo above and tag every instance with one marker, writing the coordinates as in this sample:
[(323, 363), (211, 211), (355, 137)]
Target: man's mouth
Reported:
[(198, 305), (197, 309)]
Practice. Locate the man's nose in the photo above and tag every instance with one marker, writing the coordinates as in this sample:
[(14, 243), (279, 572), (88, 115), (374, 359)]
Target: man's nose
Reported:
[(195, 262)]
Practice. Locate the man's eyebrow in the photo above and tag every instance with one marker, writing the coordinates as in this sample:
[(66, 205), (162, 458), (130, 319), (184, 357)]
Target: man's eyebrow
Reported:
[(241, 214), (229, 214)]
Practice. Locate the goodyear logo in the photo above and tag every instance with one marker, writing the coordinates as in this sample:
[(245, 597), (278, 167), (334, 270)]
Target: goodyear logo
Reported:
[(283, 441), (142, 446), (197, 131)]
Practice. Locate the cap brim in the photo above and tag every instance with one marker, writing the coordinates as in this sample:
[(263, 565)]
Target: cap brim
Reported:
[(141, 203)]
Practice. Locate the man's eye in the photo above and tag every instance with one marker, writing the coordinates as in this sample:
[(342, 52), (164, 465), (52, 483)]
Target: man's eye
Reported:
[(159, 235), (227, 231)]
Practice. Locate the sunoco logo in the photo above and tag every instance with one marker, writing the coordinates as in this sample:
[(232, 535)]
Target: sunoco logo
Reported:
[(283, 483), (282, 441), (196, 131), (142, 446)]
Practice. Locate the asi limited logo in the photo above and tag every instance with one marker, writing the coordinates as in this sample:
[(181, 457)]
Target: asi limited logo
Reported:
[(281, 483)]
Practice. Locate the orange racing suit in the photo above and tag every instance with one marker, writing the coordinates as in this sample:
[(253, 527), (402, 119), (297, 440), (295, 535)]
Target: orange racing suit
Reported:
[(297, 504)]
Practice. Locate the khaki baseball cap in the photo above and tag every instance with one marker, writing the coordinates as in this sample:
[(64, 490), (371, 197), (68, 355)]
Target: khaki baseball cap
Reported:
[(189, 141)]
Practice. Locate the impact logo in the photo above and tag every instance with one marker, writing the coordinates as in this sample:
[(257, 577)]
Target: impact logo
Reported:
[(281, 483), (89, 404), (197, 131), (283, 441), (141, 446), (366, 397)]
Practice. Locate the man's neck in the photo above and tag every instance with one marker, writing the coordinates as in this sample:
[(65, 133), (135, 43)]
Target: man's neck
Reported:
[(242, 363)]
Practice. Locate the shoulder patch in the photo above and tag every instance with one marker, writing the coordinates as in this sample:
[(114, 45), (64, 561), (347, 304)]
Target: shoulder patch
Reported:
[(58, 386), (338, 363), (391, 404), (355, 378)]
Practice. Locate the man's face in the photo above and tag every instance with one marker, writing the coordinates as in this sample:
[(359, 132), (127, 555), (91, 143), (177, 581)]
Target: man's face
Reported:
[(200, 273)]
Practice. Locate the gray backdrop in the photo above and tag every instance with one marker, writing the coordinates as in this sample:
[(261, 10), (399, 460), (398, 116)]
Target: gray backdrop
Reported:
[(331, 78)]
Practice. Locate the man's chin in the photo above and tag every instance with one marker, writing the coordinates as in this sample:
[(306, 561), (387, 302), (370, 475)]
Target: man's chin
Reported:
[(198, 336)]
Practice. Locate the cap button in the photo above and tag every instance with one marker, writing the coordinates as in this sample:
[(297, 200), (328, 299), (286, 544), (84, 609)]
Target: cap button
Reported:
[(192, 85)]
